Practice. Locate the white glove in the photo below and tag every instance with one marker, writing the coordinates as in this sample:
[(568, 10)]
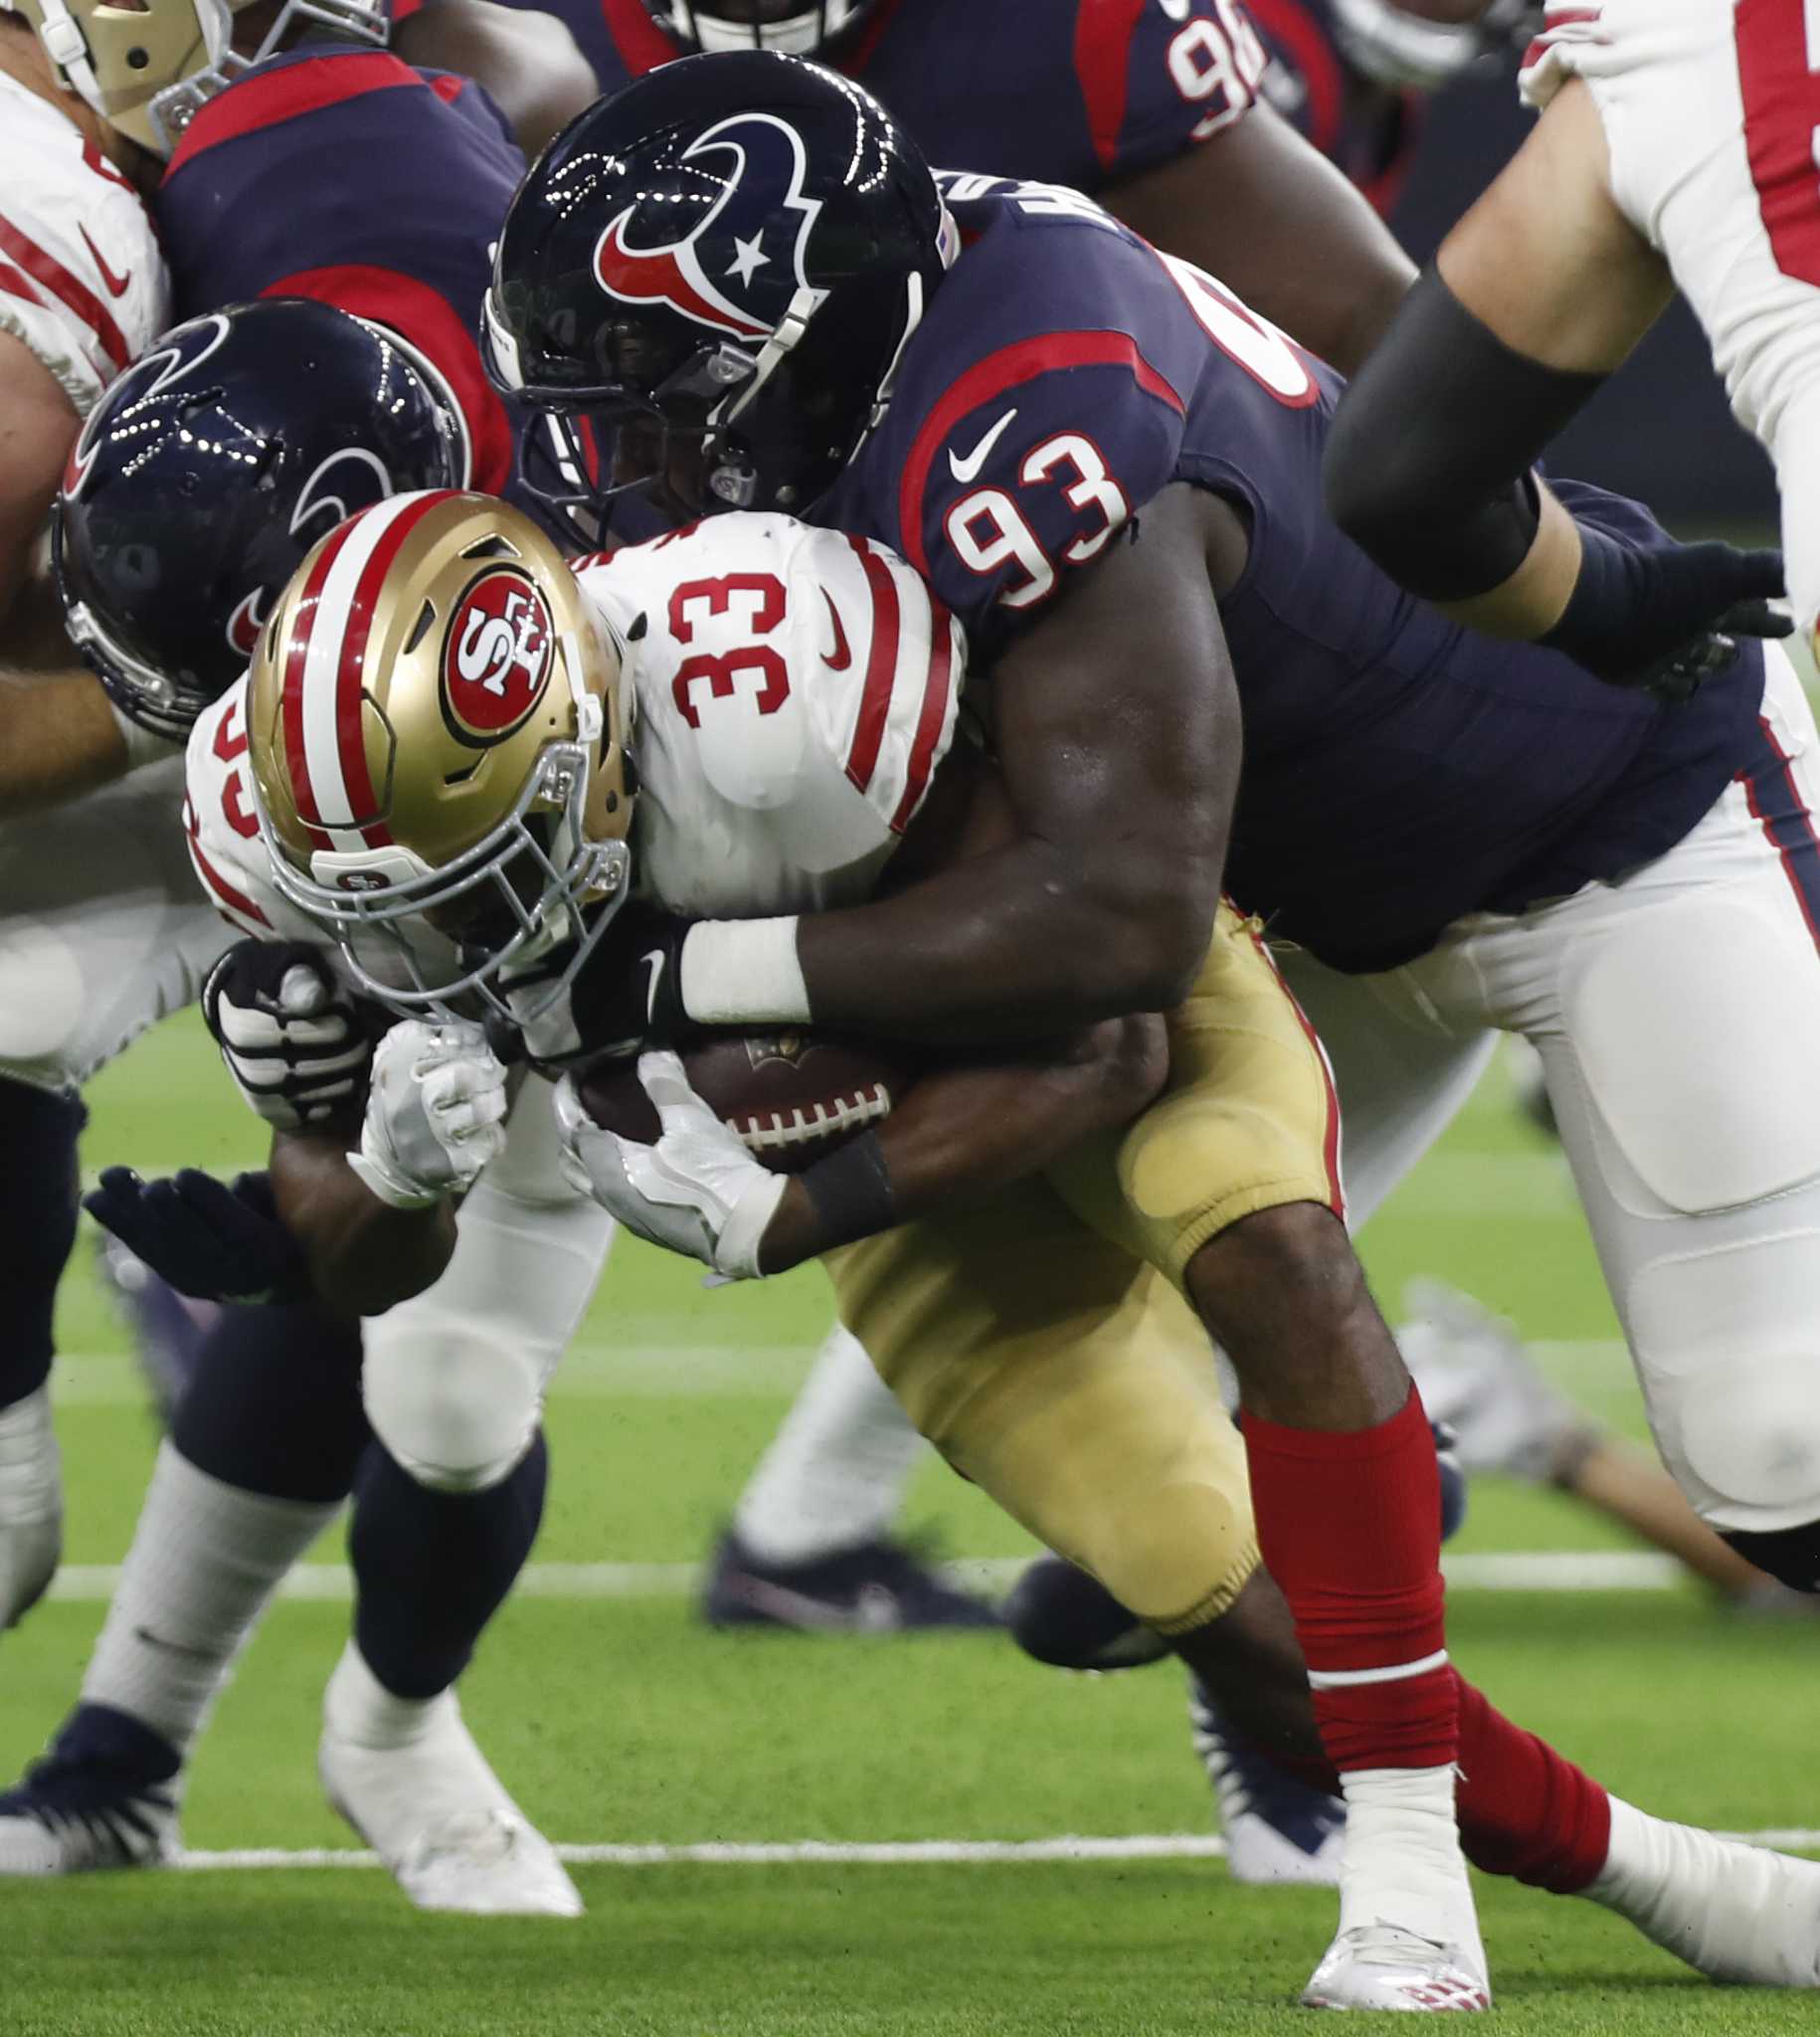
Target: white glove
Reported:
[(436, 1102), (697, 1190)]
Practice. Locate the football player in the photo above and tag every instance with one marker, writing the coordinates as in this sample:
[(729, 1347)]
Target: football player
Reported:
[(775, 772), (1109, 466), (1674, 151)]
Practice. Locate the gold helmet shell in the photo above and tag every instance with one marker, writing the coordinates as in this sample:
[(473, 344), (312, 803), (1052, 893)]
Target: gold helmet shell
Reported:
[(145, 66), (437, 735)]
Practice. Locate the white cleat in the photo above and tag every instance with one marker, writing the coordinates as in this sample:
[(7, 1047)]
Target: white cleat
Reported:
[(31, 1505), (1734, 1911), (438, 1815), (1382, 1967)]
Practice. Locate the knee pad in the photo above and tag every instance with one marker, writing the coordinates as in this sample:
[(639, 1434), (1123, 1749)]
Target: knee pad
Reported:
[(1789, 1554), (455, 1378)]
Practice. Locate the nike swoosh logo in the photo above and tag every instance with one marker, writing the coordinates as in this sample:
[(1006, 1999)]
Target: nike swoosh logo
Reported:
[(968, 469), (117, 286), (843, 655), (152, 1640), (653, 961)]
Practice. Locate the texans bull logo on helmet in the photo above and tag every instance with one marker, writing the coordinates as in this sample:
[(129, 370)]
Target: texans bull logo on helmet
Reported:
[(738, 266), (497, 657), (349, 479)]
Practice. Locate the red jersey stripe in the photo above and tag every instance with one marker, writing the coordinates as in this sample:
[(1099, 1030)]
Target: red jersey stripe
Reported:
[(69, 291), (930, 721), (18, 285), (1103, 30), (881, 668), (227, 895), (1289, 24), (997, 376), (268, 97), (1790, 833), (423, 317), (642, 43)]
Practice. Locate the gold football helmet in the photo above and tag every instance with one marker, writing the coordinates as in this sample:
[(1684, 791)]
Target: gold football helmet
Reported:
[(436, 731), (145, 66)]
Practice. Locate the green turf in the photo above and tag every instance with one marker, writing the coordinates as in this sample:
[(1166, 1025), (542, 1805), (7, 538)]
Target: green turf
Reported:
[(623, 1720)]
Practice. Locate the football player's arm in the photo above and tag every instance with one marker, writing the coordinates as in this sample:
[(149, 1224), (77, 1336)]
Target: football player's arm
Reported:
[(1264, 211), (364, 1255), (527, 63), (57, 734), (1117, 729), (966, 1132), (1539, 294)]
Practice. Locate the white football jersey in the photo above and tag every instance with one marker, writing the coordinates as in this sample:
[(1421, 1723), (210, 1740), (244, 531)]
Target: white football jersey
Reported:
[(81, 279), (221, 823), (795, 690)]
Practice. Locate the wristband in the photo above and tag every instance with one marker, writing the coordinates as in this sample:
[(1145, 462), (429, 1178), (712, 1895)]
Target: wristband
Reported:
[(738, 972), (851, 1191)]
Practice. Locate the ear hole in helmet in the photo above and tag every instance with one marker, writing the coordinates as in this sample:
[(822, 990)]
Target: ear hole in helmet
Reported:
[(421, 629)]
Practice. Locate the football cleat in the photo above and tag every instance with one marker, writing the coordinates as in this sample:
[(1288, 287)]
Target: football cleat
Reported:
[(879, 1587), (31, 1505), (1477, 1380), (440, 1819), (1276, 1828), (1381, 1967), (1735, 1912), (1062, 1616), (105, 1796), (167, 1328)]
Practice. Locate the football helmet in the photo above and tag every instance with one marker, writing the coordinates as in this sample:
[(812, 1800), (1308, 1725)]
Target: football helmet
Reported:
[(437, 732), (706, 283), (208, 470), (1393, 47), (145, 66), (783, 25)]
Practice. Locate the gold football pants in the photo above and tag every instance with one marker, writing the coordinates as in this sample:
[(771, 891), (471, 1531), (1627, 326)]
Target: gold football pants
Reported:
[(1037, 1341)]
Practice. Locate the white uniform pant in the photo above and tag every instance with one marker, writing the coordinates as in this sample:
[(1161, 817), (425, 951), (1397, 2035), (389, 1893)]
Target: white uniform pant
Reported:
[(1677, 1020), (455, 1378), (1710, 110), (103, 928)]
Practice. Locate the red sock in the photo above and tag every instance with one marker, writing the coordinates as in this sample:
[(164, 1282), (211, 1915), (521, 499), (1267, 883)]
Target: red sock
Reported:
[(1525, 1810), (1350, 1525)]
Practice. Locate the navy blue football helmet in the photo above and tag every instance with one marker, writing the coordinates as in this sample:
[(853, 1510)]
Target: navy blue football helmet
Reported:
[(208, 470), (705, 284), (785, 25)]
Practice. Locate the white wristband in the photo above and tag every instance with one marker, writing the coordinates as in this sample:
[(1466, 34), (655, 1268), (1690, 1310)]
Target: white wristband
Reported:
[(143, 745), (736, 971)]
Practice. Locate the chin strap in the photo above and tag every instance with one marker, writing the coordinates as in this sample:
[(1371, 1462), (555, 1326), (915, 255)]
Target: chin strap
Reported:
[(67, 48)]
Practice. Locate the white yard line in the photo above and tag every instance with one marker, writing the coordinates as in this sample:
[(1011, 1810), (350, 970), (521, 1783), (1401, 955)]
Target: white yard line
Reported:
[(859, 1853), (1538, 1571)]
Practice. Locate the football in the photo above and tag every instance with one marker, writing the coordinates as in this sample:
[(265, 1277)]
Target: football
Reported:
[(792, 1097)]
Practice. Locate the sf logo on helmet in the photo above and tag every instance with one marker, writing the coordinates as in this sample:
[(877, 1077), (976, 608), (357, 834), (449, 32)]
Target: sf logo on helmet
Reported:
[(739, 263), (495, 657)]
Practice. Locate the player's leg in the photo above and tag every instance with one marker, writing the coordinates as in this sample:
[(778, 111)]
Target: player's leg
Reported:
[(1229, 1186), (446, 1517), (258, 1461), (812, 1545)]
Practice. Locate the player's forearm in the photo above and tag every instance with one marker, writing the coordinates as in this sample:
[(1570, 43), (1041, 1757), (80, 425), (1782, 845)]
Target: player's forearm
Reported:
[(365, 1256), (59, 738), (967, 1132)]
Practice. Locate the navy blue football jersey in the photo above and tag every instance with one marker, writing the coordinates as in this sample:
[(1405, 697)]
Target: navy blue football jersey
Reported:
[(1398, 771), (338, 172), (1071, 92)]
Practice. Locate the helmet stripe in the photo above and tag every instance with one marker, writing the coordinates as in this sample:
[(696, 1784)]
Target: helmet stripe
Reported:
[(881, 666), (296, 749)]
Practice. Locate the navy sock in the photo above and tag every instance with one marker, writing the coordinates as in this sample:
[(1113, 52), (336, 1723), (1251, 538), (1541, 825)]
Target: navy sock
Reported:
[(38, 1189), (273, 1405), (431, 1569)]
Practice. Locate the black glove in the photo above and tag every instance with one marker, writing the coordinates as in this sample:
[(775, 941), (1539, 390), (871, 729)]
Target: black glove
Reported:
[(628, 995), (293, 1040), (210, 1240), (1665, 617)]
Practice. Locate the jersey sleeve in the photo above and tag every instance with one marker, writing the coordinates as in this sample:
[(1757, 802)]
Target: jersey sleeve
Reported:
[(1570, 32), (1158, 77), (1029, 466), (82, 280), (223, 828)]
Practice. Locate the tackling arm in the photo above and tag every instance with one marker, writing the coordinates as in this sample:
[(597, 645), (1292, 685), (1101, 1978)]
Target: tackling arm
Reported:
[(1272, 218), (364, 1256)]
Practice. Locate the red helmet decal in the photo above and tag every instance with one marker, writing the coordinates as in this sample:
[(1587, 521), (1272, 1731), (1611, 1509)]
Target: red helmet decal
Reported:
[(497, 657), (245, 623), (759, 186)]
